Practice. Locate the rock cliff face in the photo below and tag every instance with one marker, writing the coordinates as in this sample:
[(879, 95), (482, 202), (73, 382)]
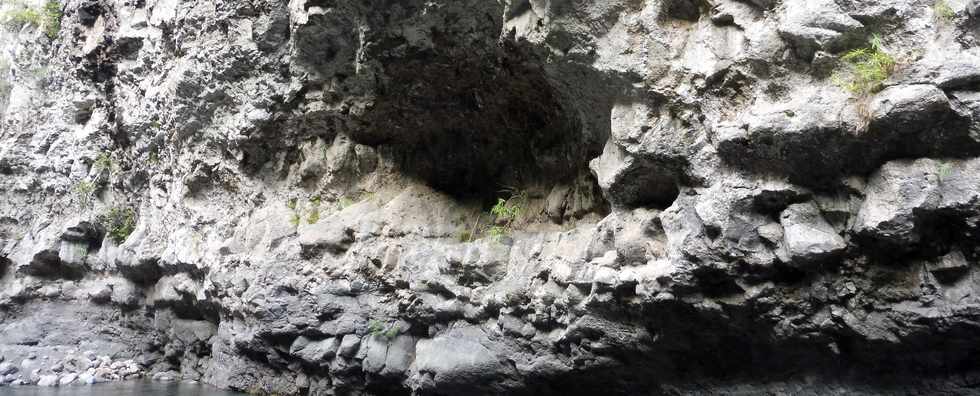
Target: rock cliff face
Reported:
[(480, 197)]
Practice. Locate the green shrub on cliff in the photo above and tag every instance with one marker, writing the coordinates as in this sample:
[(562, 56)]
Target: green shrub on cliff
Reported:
[(868, 68), (943, 12), (47, 17), (103, 162), (84, 192), (52, 18), (119, 223), (506, 212), (15, 18)]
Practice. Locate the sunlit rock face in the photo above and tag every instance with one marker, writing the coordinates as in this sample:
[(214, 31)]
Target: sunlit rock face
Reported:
[(488, 197)]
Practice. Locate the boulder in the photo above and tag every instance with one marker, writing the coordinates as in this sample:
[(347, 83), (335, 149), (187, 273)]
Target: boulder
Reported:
[(68, 379), (457, 361), (315, 352), (811, 26), (349, 345), (7, 368), (808, 236), (896, 195), (905, 109), (48, 380)]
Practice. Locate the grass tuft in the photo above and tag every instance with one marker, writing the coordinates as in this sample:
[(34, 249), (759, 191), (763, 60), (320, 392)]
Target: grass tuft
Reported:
[(84, 192), (868, 68)]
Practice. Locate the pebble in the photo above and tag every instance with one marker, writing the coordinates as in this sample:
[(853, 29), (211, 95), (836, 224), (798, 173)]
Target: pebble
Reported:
[(87, 368)]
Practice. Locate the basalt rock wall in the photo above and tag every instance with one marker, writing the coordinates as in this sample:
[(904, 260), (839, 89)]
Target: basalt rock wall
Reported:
[(448, 197)]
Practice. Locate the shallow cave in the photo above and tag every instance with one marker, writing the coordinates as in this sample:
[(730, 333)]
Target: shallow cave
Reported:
[(475, 126)]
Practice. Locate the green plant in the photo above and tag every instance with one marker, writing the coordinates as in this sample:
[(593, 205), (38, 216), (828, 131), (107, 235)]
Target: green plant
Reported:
[(52, 18), (944, 171), (510, 210), (103, 162), (295, 219), (21, 16), (119, 223), (496, 233), (84, 192), (314, 210), (868, 68), (47, 18), (506, 213), (291, 203), (344, 203), (391, 332), (314, 215), (943, 12), (378, 329)]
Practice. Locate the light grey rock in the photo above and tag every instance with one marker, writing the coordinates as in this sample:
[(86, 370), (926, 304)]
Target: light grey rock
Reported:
[(67, 379), (896, 193), (908, 107), (818, 25), (349, 345), (48, 380), (315, 352), (973, 8), (457, 360), (698, 186), (6, 368), (808, 236)]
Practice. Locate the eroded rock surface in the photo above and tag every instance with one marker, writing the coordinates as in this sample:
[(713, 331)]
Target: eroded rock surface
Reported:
[(295, 197)]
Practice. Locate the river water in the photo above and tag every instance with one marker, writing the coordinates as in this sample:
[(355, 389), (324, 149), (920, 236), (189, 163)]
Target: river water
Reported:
[(126, 388)]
